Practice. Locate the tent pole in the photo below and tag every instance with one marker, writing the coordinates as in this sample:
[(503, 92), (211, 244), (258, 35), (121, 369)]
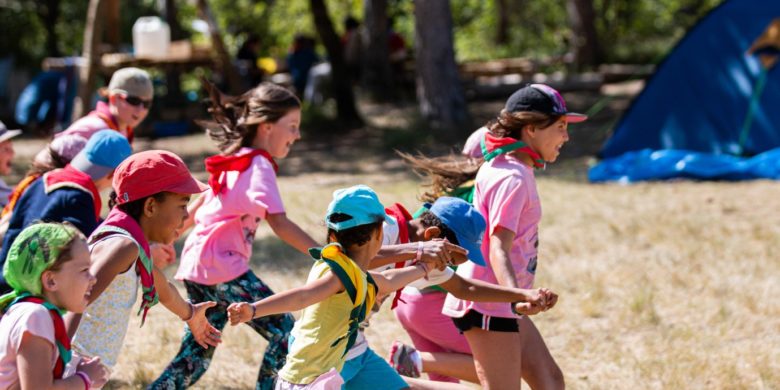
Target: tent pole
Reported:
[(752, 107)]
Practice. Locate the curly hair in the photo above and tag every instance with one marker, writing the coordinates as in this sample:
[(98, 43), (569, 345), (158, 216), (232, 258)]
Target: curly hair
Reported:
[(135, 208), (429, 219), (235, 118)]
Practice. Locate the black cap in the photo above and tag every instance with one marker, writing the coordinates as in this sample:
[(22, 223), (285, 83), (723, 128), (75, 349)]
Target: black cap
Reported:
[(543, 99)]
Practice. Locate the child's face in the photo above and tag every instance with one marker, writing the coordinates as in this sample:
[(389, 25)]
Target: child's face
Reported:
[(549, 140), (72, 283), (166, 217), (6, 156), (282, 134), (130, 110)]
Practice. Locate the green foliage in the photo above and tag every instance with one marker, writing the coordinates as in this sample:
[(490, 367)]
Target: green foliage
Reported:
[(629, 30)]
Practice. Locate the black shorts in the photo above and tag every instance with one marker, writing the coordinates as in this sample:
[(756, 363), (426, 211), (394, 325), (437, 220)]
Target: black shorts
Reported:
[(475, 319)]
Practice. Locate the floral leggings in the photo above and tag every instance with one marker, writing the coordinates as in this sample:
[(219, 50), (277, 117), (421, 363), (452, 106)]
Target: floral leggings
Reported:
[(192, 361)]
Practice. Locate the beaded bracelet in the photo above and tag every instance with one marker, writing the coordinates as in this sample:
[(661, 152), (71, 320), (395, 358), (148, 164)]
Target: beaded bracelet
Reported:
[(84, 377)]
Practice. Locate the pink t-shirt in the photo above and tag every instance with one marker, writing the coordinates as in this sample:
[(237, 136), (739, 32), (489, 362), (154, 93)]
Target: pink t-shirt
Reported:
[(473, 146), (219, 247), (21, 318), (506, 195)]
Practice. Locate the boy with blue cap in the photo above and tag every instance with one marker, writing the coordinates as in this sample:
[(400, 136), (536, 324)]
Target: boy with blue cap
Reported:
[(72, 193), (448, 225), (327, 328)]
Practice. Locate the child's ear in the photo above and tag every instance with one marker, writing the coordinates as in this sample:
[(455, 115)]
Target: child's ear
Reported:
[(431, 233), (530, 130), (150, 206), (48, 281)]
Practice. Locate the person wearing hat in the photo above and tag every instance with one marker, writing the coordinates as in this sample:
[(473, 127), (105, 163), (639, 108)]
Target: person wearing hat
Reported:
[(130, 94), (56, 154), (151, 190), (70, 194), (6, 157), (452, 229), (328, 326), (48, 270), (527, 134)]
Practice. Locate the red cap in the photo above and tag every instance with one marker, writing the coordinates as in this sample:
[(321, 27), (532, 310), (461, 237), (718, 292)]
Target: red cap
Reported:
[(151, 172)]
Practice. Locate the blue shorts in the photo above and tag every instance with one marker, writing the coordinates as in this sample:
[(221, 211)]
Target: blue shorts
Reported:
[(369, 371)]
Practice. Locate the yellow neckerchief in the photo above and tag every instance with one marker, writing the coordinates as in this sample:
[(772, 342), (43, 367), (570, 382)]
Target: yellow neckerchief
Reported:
[(350, 275)]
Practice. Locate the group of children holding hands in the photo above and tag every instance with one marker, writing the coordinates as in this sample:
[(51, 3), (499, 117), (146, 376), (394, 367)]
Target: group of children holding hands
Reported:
[(458, 274)]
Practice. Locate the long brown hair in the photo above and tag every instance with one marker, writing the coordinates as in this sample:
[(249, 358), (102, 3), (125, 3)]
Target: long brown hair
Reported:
[(444, 174), (235, 118)]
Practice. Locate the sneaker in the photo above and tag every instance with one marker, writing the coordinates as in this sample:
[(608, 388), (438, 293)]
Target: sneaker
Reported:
[(402, 359)]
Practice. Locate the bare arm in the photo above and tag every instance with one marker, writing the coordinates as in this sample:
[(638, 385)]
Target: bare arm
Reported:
[(110, 258), (500, 246), (437, 252), (193, 314), (394, 279), (290, 233), (479, 291), (287, 301), (34, 350)]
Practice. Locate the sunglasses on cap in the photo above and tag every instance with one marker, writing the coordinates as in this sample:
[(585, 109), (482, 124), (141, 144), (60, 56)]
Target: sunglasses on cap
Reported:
[(136, 101)]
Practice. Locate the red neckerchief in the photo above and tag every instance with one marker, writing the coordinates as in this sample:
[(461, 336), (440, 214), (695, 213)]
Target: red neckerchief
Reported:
[(70, 177), (18, 192), (103, 112), (402, 217), (120, 219), (60, 334), (493, 143), (217, 165)]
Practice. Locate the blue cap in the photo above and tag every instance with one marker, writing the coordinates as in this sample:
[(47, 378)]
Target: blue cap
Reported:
[(465, 221), (104, 151), (359, 202)]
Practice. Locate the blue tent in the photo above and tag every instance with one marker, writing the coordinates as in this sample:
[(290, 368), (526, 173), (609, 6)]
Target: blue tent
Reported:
[(714, 100)]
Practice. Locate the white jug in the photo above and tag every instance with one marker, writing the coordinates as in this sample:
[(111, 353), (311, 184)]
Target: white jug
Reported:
[(151, 37)]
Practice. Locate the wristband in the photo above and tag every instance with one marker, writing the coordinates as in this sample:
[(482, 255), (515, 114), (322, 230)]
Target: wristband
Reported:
[(419, 252), (254, 310), (84, 377), (192, 311)]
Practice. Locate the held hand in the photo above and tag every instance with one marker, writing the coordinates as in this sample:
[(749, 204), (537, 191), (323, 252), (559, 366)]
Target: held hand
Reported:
[(95, 370), (202, 331), (441, 253), (527, 308), (550, 298), (163, 255), (240, 312)]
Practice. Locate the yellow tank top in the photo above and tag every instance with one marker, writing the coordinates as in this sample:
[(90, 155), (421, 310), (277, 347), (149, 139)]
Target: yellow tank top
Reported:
[(326, 330)]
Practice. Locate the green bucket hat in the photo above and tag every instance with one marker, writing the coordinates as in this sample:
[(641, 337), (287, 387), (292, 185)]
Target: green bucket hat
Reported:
[(35, 249)]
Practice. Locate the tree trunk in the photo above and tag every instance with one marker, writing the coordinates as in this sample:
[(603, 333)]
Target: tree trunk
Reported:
[(502, 27), (113, 24), (173, 77), (228, 70), (439, 91), (49, 12), (377, 73), (342, 87), (587, 50), (92, 37)]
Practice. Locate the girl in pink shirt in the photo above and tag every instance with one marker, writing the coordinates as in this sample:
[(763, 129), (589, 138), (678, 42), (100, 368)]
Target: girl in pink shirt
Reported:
[(251, 130), (528, 133)]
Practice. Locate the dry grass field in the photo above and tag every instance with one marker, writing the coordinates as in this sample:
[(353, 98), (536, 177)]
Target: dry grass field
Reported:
[(669, 285)]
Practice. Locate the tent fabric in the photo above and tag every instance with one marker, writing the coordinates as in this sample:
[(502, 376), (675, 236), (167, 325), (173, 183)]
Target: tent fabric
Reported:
[(699, 98), (648, 164)]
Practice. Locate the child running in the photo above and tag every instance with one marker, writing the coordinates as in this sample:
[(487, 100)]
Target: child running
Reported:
[(251, 130), (452, 221), (528, 133), (149, 202), (338, 293), (48, 269)]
